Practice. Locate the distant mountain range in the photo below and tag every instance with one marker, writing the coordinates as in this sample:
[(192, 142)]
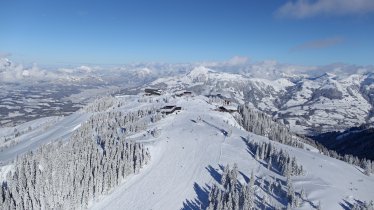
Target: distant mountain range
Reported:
[(309, 105), (310, 100)]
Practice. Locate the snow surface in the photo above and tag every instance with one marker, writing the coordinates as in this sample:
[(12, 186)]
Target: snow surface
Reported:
[(42, 135), (187, 150), (188, 155)]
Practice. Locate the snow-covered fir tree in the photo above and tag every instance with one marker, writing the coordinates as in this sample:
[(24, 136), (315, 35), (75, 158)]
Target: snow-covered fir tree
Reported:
[(262, 124), (95, 159), (231, 195), (279, 159), (363, 206)]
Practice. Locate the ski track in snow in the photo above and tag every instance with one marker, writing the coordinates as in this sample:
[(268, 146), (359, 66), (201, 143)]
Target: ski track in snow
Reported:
[(181, 155), (60, 130)]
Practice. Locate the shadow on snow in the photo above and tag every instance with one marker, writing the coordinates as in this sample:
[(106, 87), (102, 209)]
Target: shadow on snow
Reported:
[(202, 200)]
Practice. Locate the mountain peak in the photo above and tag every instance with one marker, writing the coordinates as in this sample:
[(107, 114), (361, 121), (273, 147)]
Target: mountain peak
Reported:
[(199, 70)]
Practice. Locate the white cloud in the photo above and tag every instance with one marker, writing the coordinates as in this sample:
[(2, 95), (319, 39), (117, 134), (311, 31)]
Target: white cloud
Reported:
[(306, 8), (10, 72), (67, 70), (234, 61), (237, 60), (85, 69)]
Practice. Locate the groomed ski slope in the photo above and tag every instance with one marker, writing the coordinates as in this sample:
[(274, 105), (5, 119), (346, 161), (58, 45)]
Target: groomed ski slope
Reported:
[(57, 129), (186, 157)]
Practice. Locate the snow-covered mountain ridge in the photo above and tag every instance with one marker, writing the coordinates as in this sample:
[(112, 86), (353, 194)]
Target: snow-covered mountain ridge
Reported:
[(308, 104), (310, 99)]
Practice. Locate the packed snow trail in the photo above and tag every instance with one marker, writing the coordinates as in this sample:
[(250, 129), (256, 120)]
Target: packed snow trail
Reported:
[(178, 160), (33, 140), (188, 155)]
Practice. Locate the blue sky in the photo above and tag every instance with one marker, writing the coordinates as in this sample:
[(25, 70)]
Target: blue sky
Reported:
[(306, 32)]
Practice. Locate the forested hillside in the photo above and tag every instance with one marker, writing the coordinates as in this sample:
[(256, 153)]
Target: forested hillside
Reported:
[(96, 158)]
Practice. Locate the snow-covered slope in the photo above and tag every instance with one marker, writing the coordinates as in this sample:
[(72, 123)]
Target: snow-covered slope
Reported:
[(36, 133), (189, 154)]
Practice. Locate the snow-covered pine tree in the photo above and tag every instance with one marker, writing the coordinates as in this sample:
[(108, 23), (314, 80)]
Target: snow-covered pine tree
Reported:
[(234, 196), (261, 124), (279, 159), (95, 159)]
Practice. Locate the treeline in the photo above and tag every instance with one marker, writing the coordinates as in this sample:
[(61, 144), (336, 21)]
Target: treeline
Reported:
[(262, 124), (279, 160), (124, 124), (231, 194), (103, 104), (364, 163), (69, 175)]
